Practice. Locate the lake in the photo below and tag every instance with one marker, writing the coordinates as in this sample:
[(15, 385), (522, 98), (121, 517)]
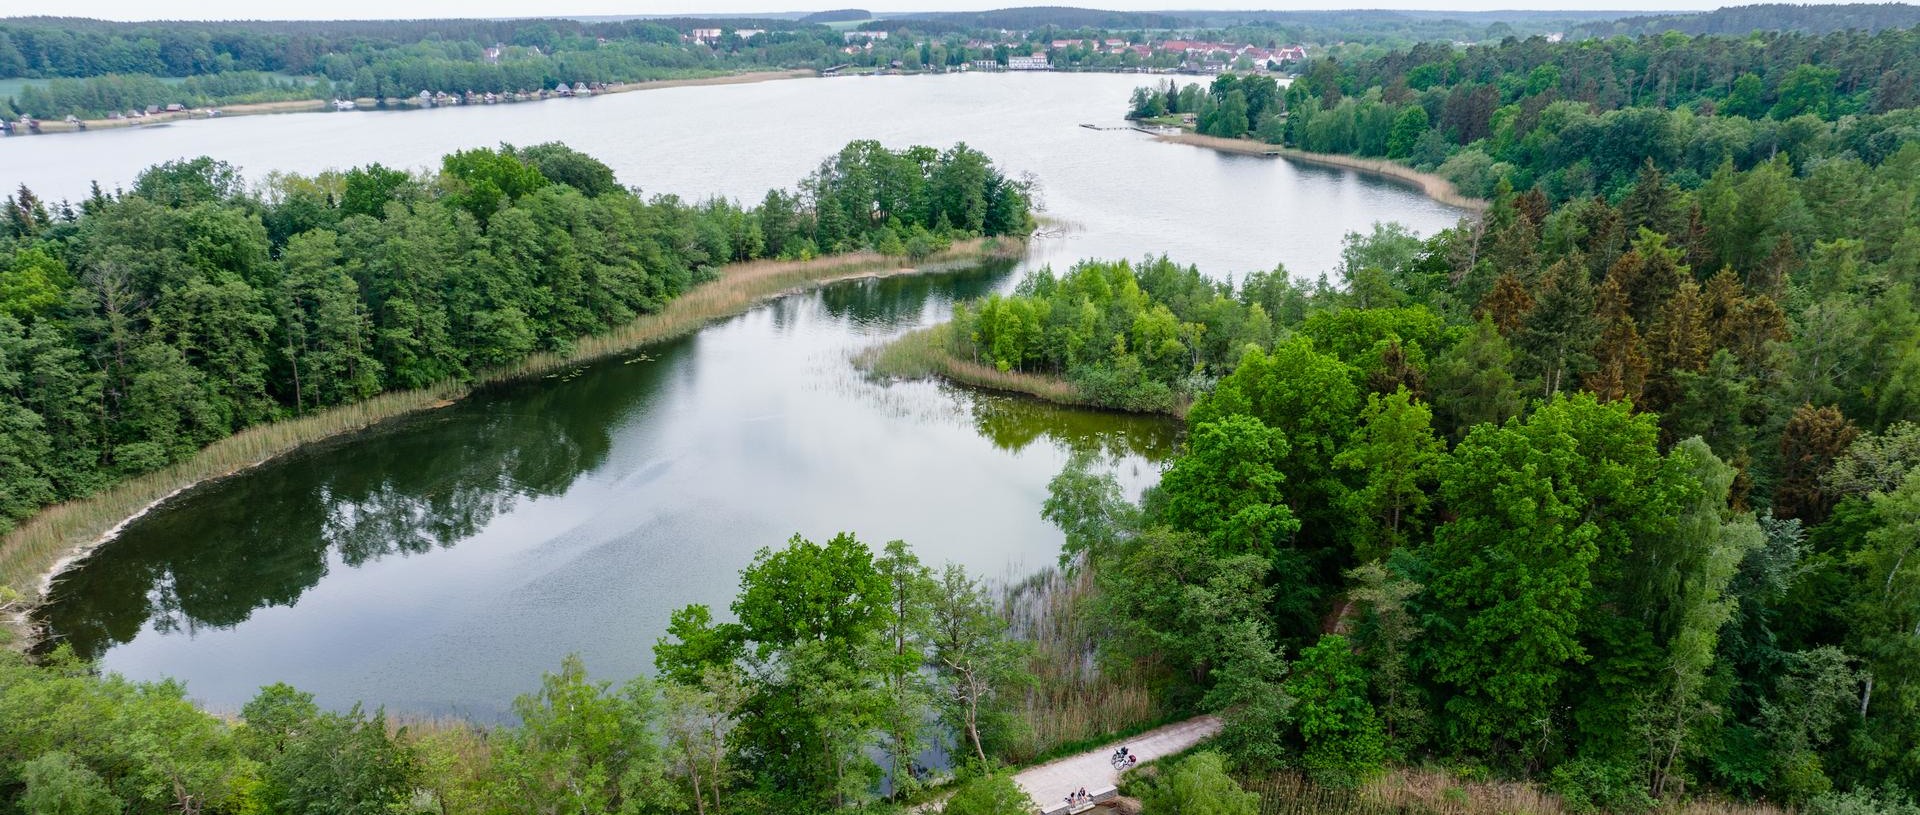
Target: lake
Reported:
[(440, 563)]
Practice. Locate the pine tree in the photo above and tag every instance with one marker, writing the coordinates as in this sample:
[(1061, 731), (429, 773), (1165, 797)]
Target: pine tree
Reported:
[(1725, 299), (1772, 275), (1620, 359), (1507, 304), (1650, 204), (1605, 238), (1760, 324), (1561, 327), (1809, 445), (1679, 342)]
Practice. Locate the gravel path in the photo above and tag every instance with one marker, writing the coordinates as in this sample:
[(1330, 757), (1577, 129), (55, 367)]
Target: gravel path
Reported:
[(1049, 784)]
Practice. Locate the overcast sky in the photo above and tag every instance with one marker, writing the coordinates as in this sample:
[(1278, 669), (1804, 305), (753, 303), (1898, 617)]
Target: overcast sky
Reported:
[(388, 9)]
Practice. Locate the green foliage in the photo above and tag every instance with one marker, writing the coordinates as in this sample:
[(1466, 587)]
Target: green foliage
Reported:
[(164, 319), (1395, 451), (1517, 574), (1199, 785), (1345, 744), (580, 748), (1588, 785), (1310, 398), (340, 763), (79, 742), (487, 180), (990, 794), (1138, 338), (56, 784), (1858, 802), (866, 193), (1228, 488), (1090, 509), (978, 666)]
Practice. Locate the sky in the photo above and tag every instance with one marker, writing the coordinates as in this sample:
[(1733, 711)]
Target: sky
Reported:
[(401, 9)]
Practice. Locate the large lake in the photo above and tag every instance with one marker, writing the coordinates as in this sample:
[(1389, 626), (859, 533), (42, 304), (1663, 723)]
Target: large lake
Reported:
[(439, 564)]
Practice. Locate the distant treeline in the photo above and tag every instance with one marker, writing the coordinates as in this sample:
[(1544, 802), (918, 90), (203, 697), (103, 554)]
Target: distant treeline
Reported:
[(44, 47), (147, 324), (102, 95), (1581, 118), (1741, 20), (845, 15), (1022, 19)]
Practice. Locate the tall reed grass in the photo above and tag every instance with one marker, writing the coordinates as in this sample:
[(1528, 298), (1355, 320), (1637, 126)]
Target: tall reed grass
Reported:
[(1423, 791), (34, 552), (1073, 701)]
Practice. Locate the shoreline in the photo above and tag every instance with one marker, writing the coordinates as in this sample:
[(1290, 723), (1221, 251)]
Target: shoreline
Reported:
[(923, 354), (51, 127), (54, 540), (1433, 186)]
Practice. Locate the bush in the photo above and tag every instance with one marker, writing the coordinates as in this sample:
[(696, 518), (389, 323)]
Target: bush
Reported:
[(59, 785), (993, 794), (1199, 785), (1859, 802), (1125, 386), (1591, 785)]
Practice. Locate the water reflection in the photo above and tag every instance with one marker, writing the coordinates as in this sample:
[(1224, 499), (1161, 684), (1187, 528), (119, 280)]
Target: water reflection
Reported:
[(214, 556), (587, 449), (439, 564)]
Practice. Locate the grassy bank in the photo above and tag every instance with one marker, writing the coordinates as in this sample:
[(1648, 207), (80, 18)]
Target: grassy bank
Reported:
[(924, 353), (1433, 186), (38, 550)]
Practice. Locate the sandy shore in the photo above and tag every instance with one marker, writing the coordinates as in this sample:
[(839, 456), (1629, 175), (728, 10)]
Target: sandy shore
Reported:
[(41, 548), (1435, 187), (50, 126)]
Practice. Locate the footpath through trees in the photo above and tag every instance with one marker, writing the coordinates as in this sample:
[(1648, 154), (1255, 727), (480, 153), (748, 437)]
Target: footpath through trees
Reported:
[(1049, 784)]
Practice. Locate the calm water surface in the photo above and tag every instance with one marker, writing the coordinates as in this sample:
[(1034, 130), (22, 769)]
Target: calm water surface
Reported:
[(440, 563)]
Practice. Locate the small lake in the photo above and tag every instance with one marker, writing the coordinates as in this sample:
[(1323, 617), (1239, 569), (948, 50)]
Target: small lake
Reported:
[(440, 563)]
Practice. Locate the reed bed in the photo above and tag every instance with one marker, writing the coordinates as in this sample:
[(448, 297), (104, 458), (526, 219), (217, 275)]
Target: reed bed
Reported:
[(928, 353), (34, 553), (1072, 700), (63, 533), (1423, 791)]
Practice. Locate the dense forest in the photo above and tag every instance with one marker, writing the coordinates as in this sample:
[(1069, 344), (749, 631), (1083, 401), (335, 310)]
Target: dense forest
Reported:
[(1611, 488), (95, 67), (1743, 20), (45, 47), (137, 327), (1578, 119)]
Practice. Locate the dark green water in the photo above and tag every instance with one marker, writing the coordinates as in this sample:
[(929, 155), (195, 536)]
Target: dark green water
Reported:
[(442, 562)]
